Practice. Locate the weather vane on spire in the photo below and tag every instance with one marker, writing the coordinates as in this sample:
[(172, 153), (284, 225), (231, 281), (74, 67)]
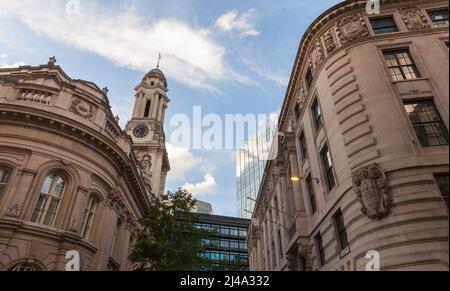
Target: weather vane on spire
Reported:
[(159, 59)]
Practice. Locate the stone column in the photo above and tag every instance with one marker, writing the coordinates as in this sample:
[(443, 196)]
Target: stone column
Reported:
[(155, 105), (300, 211)]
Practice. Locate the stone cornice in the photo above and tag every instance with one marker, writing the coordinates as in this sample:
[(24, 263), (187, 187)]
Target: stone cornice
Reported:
[(103, 145)]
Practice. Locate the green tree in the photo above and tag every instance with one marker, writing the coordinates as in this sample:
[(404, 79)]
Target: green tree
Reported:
[(170, 241)]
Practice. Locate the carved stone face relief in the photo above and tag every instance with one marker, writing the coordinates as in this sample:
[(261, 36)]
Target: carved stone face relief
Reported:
[(370, 185), (414, 18), (352, 28), (82, 108)]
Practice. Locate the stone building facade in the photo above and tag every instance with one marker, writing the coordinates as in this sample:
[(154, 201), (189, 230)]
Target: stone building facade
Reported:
[(70, 177), (363, 146)]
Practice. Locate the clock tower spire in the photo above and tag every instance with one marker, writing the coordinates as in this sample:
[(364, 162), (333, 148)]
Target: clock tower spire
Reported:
[(146, 129)]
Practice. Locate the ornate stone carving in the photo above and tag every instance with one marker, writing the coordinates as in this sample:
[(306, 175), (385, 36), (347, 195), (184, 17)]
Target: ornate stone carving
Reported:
[(36, 96), (146, 164), (305, 251), (14, 212), (317, 55), (370, 185), (330, 44), (116, 202), (52, 61), (73, 227), (414, 18), (352, 28), (82, 108)]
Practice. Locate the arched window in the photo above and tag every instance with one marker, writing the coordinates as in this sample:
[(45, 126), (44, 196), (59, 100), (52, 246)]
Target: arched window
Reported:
[(26, 267), (50, 197), (89, 216), (5, 176)]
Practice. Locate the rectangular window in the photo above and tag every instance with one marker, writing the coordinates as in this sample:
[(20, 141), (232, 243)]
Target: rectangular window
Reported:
[(147, 109), (383, 25), (309, 78), (427, 123), (439, 18), (317, 114), (342, 233), (311, 194), (442, 181), (303, 147), (280, 244), (328, 168), (400, 64), (320, 249)]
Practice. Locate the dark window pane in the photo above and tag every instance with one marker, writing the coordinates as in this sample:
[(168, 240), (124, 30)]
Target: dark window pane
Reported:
[(427, 123), (320, 249), (443, 183), (439, 18), (342, 232), (317, 114), (303, 147), (328, 167), (309, 78), (383, 25), (312, 195)]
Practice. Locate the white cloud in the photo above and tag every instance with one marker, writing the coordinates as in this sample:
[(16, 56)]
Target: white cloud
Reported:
[(182, 162), (3, 56), (14, 65), (233, 22), (190, 56), (202, 188), (274, 75)]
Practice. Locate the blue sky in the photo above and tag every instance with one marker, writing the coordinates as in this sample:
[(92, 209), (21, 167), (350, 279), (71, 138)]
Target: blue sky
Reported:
[(227, 56)]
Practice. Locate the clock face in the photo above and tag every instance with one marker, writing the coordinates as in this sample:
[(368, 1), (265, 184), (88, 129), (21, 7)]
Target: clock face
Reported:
[(141, 131)]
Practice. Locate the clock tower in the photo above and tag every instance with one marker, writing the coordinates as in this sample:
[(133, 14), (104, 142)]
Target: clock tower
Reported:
[(147, 131)]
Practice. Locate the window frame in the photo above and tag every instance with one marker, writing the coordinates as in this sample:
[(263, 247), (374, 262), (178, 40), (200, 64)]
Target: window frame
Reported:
[(303, 146), (40, 213), (442, 175), (4, 185), (413, 64), (89, 216), (317, 120), (437, 10), (311, 194), (440, 122), (320, 249), (328, 169), (341, 233), (384, 17)]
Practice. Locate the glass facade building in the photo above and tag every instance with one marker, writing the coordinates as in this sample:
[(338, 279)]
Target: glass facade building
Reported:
[(227, 248), (251, 160)]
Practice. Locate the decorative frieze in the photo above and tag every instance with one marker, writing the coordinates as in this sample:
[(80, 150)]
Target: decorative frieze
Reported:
[(352, 28), (370, 186), (36, 96), (414, 18)]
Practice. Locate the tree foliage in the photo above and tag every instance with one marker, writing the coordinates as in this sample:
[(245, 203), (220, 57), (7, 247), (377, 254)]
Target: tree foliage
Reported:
[(169, 240)]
